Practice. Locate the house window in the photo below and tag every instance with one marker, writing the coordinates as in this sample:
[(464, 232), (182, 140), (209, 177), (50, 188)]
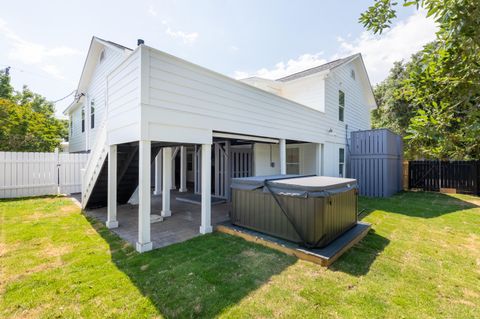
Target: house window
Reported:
[(71, 126), (83, 119), (341, 162), (293, 161), (352, 74), (92, 114), (341, 105)]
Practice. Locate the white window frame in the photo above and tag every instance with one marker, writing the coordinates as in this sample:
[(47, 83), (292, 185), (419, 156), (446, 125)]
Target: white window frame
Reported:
[(290, 163), (341, 162), (92, 114), (341, 108)]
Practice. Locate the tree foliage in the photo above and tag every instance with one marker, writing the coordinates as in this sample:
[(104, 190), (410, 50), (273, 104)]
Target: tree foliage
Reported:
[(441, 85), (27, 121)]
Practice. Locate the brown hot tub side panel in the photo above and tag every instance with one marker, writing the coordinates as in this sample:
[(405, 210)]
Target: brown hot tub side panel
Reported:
[(323, 218)]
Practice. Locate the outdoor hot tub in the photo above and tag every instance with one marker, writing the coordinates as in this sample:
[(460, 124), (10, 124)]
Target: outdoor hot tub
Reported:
[(308, 210)]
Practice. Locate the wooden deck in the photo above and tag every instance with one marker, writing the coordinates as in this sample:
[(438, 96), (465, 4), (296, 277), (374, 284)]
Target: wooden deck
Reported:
[(322, 256)]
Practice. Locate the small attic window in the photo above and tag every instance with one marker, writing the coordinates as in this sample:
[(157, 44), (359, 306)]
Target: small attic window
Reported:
[(102, 56), (352, 74)]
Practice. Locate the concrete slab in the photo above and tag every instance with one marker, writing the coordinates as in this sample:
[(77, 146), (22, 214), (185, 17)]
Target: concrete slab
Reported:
[(184, 223)]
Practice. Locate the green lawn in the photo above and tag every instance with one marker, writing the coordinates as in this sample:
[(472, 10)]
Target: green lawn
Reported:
[(421, 260)]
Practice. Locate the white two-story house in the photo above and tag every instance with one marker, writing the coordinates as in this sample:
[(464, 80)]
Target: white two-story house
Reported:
[(148, 118)]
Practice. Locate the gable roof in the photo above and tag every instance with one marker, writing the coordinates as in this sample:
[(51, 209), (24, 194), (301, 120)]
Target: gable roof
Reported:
[(94, 50), (327, 66), (332, 65)]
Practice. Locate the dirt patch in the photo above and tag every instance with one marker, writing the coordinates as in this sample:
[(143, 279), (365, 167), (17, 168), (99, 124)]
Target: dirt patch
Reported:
[(473, 244), (251, 253), (31, 313), (69, 209), (56, 251)]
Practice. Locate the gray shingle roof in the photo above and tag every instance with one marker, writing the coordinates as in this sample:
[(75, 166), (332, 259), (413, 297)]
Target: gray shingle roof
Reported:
[(320, 68), (115, 44)]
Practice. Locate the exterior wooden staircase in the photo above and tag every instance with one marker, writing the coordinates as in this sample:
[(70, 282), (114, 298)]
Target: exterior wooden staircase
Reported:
[(95, 186)]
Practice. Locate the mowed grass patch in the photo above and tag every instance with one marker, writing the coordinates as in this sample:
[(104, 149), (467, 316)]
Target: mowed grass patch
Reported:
[(421, 260)]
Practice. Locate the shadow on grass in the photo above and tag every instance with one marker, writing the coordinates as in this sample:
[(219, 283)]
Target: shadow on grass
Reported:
[(415, 204), (358, 259), (201, 277), (20, 199)]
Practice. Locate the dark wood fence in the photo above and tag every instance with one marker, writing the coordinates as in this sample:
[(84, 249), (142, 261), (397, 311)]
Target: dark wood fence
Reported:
[(459, 176)]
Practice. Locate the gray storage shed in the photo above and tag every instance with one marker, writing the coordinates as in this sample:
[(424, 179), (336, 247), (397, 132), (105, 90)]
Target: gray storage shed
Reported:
[(312, 210), (376, 158)]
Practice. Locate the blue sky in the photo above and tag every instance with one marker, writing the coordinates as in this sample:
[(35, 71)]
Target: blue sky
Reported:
[(46, 45)]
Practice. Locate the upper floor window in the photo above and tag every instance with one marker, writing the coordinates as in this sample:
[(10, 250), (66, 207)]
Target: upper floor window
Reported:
[(293, 161), (92, 114), (71, 125), (352, 74), (83, 119), (341, 105), (341, 162)]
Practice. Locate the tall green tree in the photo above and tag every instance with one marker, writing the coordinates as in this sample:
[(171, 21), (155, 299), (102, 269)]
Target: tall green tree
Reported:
[(443, 85), (27, 120)]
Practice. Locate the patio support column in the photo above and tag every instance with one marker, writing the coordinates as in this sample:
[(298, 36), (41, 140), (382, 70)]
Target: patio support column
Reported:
[(167, 180), (206, 224), (183, 169), (158, 173), (112, 188), (173, 168), (283, 156), (144, 194)]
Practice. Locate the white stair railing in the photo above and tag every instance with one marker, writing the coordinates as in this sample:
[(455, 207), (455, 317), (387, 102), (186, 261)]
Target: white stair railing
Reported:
[(94, 164)]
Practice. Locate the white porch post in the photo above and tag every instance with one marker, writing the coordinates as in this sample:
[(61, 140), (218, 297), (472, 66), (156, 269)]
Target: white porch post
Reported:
[(206, 224), (183, 169), (112, 188), (144, 194), (158, 173), (319, 159), (283, 156), (167, 179), (172, 168)]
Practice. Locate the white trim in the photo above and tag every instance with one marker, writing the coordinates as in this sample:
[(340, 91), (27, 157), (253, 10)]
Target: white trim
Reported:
[(245, 137)]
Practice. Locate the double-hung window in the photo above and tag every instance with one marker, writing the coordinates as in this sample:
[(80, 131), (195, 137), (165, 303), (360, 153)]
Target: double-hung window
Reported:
[(92, 114), (83, 119), (341, 162), (341, 105)]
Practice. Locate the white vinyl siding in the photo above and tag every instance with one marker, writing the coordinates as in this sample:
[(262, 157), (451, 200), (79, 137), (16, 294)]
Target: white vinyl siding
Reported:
[(309, 91), (188, 96), (97, 89), (76, 142)]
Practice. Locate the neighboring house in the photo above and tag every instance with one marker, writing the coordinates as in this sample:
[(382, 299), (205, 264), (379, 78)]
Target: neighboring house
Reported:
[(132, 104)]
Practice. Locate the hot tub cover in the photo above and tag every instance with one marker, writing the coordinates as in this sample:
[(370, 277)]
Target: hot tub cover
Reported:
[(296, 185)]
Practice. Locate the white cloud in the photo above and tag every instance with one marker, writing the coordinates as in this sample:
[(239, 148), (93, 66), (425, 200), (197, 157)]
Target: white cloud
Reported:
[(152, 11), (379, 52), (233, 48), (32, 53), (398, 43), (53, 70), (281, 69), (187, 38)]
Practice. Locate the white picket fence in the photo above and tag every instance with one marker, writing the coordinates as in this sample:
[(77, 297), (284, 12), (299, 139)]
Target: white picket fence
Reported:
[(35, 174)]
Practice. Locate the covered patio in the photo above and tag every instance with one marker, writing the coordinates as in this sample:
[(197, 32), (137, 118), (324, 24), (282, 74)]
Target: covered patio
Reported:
[(183, 224)]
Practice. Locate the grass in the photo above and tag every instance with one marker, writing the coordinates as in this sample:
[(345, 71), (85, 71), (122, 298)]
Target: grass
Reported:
[(422, 260)]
